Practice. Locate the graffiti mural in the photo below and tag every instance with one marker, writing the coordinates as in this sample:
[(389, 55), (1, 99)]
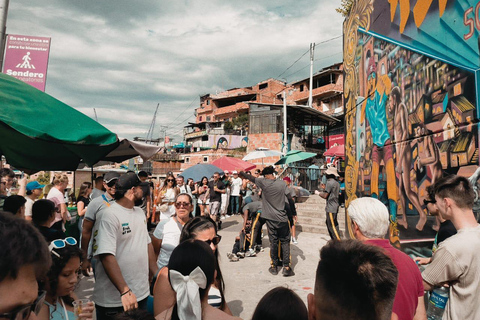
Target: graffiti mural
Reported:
[(411, 114)]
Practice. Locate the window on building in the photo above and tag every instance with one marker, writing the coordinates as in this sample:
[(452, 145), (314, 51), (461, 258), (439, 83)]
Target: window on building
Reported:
[(187, 159), (266, 122), (208, 102), (302, 87), (208, 118), (263, 86), (205, 159)]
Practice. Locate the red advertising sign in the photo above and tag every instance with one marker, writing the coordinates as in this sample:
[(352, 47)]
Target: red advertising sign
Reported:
[(26, 58), (336, 139)]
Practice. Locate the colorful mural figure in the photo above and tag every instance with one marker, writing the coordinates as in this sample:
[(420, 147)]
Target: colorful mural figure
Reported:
[(374, 107), (410, 101)]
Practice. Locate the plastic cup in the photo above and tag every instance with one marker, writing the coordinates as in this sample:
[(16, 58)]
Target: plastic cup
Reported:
[(78, 306)]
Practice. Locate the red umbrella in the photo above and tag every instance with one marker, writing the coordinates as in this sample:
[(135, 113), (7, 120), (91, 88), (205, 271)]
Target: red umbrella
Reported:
[(230, 164), (338, 150)]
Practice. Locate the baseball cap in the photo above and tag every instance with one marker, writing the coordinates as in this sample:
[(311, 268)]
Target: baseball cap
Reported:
[(34, 185), (110, 176), (287, 179), (234, 172), (127, 181), (143, 174)]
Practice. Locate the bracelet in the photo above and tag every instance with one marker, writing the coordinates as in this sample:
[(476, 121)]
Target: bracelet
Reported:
[(129, 290)]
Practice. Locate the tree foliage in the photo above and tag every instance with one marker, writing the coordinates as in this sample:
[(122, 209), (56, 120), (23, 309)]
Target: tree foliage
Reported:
[(345, 7), (44, 178)]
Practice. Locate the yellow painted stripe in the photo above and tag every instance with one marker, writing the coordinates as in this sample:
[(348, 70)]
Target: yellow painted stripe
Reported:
[(333, 225)]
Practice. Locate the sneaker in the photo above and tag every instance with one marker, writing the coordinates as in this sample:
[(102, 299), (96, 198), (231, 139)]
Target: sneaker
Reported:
[(228, 215), (259, 248), (273, 270), (223, 217), (294, 240), (241, 255), (287, 272), (232, 257), (250, 253)]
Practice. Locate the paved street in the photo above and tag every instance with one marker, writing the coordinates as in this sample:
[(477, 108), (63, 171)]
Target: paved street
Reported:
[(248, 280)]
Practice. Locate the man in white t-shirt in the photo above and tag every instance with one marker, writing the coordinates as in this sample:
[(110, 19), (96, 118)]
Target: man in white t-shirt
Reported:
[(34, 190), (236, 185), (92, 217), (125, 252)]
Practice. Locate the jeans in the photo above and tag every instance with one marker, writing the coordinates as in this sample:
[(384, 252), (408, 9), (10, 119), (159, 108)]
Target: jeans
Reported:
[(104, 313), (234, 204)]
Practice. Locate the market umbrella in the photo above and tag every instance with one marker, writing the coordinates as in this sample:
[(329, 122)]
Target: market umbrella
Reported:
[(39, 132), (261, 153), (201, 170), (231, 163), (294, 156), (338, 150)]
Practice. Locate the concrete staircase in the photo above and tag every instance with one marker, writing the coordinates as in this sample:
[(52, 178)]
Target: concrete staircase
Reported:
[(312, 216)]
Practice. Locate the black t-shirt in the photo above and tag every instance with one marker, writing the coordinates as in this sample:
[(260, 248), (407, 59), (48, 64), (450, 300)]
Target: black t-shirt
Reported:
[(51, 234), (146, 193), (215, 196), (446, 230), (86, 201)]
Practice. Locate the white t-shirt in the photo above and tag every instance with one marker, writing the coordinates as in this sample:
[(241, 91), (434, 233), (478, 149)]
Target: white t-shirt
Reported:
[(94, 212), (123, 233), (185, 189), (236, 186), (28, 207), (55, 193), (169, 232), (169, 197)]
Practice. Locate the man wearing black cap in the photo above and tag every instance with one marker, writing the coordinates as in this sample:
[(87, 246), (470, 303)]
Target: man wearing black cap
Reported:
[(273, 210), (125, 251), (92, 217)]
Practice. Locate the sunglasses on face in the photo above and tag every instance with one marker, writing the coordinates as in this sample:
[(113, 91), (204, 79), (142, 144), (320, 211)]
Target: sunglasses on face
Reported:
[(111, 184), (182, 204), (215, 240), (23, 312), (171, 180), (61, 243), (426, 202)]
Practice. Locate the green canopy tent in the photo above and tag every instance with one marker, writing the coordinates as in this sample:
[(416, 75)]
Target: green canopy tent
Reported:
[(39, 132), (294, 156)]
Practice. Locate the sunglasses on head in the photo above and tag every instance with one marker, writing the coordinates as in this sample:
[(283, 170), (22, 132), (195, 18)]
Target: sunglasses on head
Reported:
[(182, 204), (23, 312), (425, 201), (215, 240), (61, 243)]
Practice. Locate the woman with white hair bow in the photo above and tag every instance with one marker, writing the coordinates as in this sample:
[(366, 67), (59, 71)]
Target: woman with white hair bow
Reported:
[(191, 273)]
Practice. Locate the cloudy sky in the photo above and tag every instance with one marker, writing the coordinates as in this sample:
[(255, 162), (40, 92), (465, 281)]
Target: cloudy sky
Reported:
[(124, 57)]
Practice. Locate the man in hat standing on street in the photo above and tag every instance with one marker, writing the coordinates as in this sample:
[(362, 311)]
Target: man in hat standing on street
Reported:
[(330, 193), (125, 251), (34, 190)]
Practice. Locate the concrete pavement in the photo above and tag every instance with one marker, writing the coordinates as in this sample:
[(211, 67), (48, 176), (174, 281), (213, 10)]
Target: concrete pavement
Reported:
[(247, 280)]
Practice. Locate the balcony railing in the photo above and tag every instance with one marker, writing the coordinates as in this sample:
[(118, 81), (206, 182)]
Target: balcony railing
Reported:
[(166, 157)]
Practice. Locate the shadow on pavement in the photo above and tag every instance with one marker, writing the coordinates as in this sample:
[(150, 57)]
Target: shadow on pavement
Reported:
[(236, 306)]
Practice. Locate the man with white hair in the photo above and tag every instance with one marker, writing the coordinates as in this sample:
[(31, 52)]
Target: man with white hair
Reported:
[(370, 221)]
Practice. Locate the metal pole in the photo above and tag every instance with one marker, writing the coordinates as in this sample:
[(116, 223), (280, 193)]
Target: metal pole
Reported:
[(285, 136), (310, 90), (3, 29)]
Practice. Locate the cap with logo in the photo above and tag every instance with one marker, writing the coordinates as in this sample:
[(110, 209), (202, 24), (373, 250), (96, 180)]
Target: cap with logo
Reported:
[(110, 176), (34, 185)]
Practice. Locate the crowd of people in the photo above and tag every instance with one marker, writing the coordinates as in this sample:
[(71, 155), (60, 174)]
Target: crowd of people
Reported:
[(177, 269)]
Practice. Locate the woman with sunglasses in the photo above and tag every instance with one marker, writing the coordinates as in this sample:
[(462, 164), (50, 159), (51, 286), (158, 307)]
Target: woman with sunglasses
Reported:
[(167, 233), (165, 198), (203, 196), (61, 281), (203, 229)]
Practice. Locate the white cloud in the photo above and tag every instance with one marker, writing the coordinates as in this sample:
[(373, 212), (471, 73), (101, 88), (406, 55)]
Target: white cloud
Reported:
[(123, 57)]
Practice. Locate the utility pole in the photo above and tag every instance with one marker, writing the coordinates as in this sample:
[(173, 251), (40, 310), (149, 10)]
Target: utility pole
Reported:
[(164, 129), (285, 135), (95, 111), (310, 89), (3, 29)]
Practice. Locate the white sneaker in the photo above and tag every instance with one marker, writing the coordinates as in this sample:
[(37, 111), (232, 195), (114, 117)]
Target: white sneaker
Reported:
[(222, 218), (229, 215), (250, 253), (294, 240)]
